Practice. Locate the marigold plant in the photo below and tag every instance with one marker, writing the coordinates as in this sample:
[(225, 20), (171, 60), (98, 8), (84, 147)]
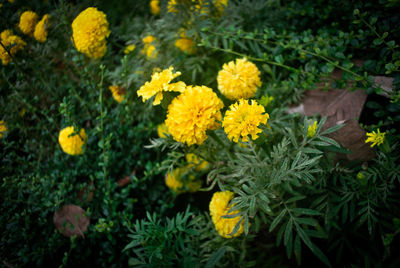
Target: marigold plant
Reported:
[(10, 45), (192, 113), (219, 206), (27, 22), (160, 81), (72, 143), (239, 79), (242, 119), (89, 32)]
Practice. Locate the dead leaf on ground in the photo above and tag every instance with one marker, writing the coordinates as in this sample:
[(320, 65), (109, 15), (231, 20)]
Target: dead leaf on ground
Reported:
[(353, 137), (70, 220)]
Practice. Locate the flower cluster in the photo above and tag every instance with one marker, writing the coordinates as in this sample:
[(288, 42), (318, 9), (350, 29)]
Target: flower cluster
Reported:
[(185, 44), (12, 45), (117, 92), (181, 180), (41, 29), (3, 128), (376, 138), (239, 80), (27, 22), (219, 206), (72, 143), (192, 113), (89, 32), (149, 48), (242, 119), (160, 81)]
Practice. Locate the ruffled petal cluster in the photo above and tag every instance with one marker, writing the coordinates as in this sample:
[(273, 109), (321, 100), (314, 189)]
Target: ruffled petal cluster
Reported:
[(192, 113), (239, 80), (27, 22), (376, 138), (12, 43), (242, 119), (41, 29), (89, 32), (3, 128), (72, 143), (160, 81), (149, 48), (155, 7), (181, 180), (219, 206), (185, 44), (118, 93)]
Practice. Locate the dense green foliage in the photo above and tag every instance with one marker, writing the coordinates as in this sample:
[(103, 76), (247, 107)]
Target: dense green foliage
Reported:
[(298, 203)]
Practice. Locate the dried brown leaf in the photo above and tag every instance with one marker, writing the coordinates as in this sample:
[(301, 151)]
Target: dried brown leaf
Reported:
[(70, 220)]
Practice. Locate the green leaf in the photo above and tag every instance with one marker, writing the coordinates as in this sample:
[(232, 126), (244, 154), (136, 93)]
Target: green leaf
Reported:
[(305, 211), (297, 249), (295, 198), (277, 220), (308, 150), (332, 129), (288, 232), (214, 259)]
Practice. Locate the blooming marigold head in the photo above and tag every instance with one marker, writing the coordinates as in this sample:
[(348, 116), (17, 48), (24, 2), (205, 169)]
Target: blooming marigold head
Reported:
[(27, 22), (180, 180), (3, 128), (160, 81), (41, 29), (239, 80), (12, 43), (242, 119), (89, 32), (72, 143), (376, 138), (219, 206), (155, 7), (117, 93), (192, 113), (312, 129)]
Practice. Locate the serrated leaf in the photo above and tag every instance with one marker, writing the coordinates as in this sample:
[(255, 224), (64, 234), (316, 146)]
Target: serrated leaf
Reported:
[(277, 220)]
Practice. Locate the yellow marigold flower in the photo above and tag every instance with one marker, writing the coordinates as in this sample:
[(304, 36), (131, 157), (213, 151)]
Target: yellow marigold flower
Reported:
[(149, 48), (12, 43), (89, 32), (155, 7), (3, 128), (312, 129), (242, 119), (117, 93), (193, 159), (180, 180), (239, 80), (192, 113), (185, 44), (129, 48), (27, 22), (219, 206), (159, 83), (71, 142), (162, 130), (41, 29), (376, 138)]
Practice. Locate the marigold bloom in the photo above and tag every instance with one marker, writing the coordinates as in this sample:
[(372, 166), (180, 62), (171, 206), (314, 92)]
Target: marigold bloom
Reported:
[(12, 43), (376, 138), (192, 113), (242, 119), (219, 206), (155, 7), (3, 128), (27, 22), (129, 48), (193, 160), (312, 129), (239, 80), (71, 142), (117, 93), (89, 32), (160, 81), (180, 180), (185, 44), (149, 48), (41, 29), (162, 130)]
